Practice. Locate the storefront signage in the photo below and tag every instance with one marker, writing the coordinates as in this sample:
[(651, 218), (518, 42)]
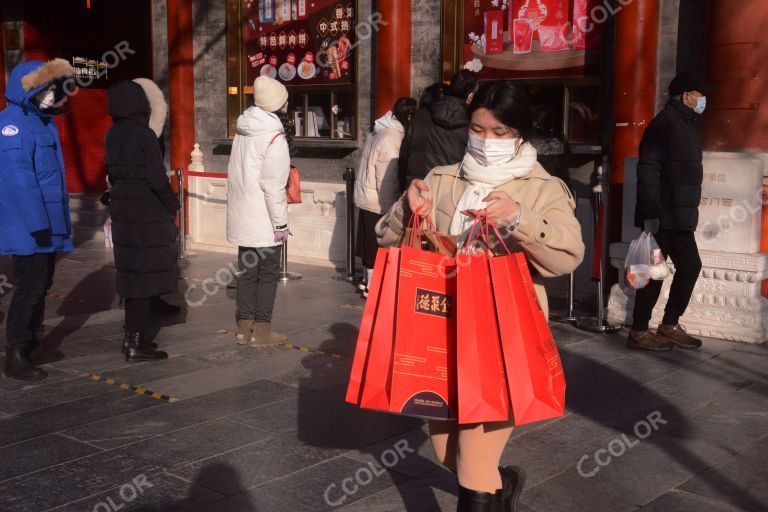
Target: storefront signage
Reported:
[(300, 42)]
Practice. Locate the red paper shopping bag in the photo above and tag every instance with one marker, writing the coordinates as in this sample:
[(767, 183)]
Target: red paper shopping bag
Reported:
[(366, 328), (377, 378), (424, 368), (482, 385), (534, 370)]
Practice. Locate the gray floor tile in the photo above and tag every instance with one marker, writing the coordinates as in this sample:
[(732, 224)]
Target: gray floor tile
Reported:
[(739, 481), (678, 501), (158, 493), (50, 394), (66, 416), (432, 492), (255, 464), (318, 488), (166, 418), (39, 453)]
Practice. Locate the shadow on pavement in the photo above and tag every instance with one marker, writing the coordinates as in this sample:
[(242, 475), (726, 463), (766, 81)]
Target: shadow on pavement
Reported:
[(326, 420)]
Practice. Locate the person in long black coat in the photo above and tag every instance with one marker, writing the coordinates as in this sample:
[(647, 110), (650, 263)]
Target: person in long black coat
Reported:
[(143, 208)]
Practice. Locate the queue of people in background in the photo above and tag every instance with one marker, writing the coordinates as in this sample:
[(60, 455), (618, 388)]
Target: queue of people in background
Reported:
[(377, 185)]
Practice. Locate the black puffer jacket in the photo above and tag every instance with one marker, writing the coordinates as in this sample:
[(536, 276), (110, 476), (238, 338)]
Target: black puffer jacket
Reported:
[(437, 136), (670, 170), (143, 204)]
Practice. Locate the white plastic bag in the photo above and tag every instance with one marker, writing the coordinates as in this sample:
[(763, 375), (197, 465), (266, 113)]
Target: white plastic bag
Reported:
[(108, 233), (659, 267), (637, 266)]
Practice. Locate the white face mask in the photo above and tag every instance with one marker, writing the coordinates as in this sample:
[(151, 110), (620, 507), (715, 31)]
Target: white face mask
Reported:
[(48, 101), (701, 105), (492, 152)]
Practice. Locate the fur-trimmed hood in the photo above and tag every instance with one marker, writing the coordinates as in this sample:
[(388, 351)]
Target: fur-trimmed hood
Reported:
[(157, 105), (29, 78)]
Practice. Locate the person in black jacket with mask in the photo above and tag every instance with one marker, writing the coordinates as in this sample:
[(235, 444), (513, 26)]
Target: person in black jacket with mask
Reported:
[(669, 178), (438, 134), (143, 207)]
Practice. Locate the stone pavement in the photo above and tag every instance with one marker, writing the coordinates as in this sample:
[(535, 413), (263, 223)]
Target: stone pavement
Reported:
[(268, 430)]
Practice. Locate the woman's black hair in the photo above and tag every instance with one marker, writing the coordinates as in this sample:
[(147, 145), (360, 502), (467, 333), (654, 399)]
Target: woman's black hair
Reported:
[(288, 126), (508, 103), (403, 110), (431, 94), (463, 84)]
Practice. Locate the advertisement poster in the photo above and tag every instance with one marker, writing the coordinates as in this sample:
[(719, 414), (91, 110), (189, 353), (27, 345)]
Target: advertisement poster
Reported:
[(538, 38), (300, 42)]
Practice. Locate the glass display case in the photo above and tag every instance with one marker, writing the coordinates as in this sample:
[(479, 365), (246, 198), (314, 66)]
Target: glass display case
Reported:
[(309, 46)]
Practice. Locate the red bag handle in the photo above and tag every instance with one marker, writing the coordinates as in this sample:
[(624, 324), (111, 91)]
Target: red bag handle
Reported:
[(484, 232)]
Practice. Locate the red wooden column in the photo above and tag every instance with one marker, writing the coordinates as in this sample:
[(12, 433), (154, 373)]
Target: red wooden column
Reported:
[(393, 54), (634, 100), (181, 83)]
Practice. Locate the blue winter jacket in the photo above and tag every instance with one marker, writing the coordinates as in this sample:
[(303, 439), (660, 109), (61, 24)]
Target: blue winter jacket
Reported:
[(33, 195)]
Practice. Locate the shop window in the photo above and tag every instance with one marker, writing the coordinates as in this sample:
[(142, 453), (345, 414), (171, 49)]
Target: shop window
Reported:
[(308, 45)]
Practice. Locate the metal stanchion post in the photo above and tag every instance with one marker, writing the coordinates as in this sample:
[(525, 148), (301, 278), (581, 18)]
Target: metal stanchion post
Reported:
[(182, 215), (568, 318), (286, 276), (598, 323), (349, 178)]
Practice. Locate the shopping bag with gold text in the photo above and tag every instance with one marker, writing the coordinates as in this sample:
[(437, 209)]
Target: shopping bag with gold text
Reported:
[(424, 369)]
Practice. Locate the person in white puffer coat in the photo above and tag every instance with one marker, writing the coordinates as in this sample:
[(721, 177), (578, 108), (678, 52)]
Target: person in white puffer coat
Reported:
[(257, 208), (377, 185)]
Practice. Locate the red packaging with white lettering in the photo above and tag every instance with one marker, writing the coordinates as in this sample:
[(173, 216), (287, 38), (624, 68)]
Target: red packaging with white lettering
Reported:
[(494, 32)]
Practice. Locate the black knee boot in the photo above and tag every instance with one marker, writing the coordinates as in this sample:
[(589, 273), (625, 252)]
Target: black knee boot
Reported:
[(18, 364), (476, 501), (513, 481), (137, 350)]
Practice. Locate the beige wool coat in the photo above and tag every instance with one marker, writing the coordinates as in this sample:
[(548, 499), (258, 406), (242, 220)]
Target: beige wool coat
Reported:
[(548, 233)]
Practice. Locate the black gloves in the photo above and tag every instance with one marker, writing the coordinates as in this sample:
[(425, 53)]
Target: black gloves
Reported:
[(651, 226), (42, 238)]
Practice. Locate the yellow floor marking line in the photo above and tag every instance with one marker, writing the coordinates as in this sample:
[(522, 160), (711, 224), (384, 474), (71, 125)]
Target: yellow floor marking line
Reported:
[(136, 389), (290, 346)]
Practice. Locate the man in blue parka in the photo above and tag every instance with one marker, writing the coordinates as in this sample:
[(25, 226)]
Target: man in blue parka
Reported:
[(34, 205)]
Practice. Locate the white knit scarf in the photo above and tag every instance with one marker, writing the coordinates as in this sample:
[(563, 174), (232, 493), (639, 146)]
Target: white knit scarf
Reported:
[(483, 180)]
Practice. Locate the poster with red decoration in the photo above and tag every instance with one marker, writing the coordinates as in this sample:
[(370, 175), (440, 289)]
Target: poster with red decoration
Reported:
[(300, 42), (538, 39)]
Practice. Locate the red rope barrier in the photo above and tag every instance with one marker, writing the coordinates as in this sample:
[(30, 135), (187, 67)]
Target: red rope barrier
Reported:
[(205, 174)]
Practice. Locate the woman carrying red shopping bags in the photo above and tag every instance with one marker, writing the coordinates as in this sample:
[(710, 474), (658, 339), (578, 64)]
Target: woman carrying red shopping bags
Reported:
[(501, 180)]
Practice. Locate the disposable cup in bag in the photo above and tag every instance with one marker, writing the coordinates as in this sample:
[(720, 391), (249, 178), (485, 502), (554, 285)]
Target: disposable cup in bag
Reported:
[(659, 267)]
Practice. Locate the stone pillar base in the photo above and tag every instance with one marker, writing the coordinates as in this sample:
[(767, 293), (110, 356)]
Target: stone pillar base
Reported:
[(726, 302)]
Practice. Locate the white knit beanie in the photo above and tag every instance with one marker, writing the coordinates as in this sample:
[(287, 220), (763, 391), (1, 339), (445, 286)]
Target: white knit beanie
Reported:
[(269, 94)]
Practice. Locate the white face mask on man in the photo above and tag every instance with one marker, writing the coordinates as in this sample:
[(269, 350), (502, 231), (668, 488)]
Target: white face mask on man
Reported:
[(493, 152), (48, 100)]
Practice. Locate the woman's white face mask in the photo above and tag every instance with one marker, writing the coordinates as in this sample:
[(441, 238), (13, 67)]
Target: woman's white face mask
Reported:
[(493, 152), (48, 100)]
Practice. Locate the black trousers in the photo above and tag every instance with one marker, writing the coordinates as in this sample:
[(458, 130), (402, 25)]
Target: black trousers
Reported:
[(137, 314), (367, 244), (681, 247), (34, 277), (257, 284)]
